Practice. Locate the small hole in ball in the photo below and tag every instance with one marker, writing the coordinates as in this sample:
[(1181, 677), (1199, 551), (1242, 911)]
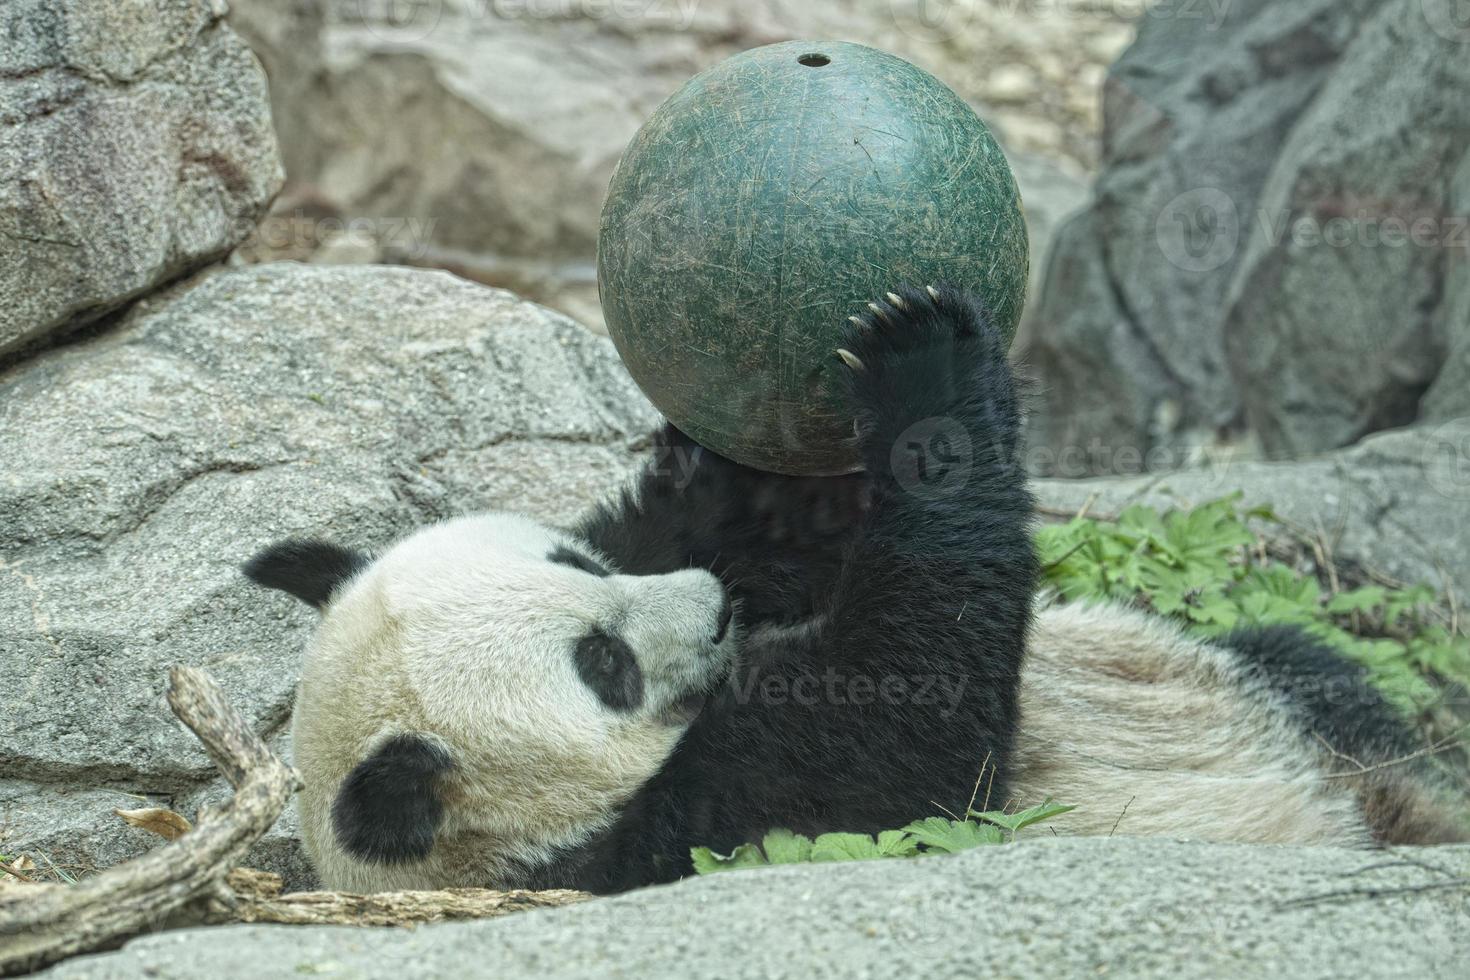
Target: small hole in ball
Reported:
[(815, 60)]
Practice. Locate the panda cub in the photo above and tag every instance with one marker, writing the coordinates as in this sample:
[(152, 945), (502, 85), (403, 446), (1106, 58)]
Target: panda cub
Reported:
[(719, 651)]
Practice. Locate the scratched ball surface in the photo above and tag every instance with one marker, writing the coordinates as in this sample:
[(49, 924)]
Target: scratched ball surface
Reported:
[(765, 202)]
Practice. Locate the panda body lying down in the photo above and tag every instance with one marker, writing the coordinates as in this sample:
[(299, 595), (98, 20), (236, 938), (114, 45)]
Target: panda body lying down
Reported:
[(494, 702)]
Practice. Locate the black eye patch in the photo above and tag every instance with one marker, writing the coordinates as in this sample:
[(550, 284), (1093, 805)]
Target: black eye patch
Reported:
[(566, 556), (607, 666)]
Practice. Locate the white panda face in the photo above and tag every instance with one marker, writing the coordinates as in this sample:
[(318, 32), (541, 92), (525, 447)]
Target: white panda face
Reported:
[(503, 623), (485, 692)]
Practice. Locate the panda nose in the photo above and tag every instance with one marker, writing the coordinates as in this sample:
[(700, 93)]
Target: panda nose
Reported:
[(727, 613)]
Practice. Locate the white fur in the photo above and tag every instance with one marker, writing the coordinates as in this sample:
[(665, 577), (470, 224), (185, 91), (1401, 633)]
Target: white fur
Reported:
[(1154, 733)]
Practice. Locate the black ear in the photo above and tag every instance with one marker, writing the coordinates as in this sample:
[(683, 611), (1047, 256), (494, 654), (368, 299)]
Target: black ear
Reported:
[(309, 570), (389, 808)]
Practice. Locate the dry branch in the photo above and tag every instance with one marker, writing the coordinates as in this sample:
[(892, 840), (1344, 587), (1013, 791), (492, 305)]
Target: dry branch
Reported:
[(257, 899), (45, 923)]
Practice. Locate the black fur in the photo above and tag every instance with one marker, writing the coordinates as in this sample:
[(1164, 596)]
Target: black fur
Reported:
[(775, 541), (608, 667), (919, 573), (389, 807), (566, 556), (310, 570), (1330, 694)]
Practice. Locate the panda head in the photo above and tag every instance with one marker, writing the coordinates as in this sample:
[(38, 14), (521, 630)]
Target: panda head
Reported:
[(484, 695)]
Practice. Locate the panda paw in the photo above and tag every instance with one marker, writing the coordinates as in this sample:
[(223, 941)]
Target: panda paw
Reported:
[(927, 355)]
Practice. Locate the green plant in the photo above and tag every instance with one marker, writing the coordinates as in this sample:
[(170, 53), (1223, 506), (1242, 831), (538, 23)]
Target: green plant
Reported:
[(1220, 566), (932, 835)]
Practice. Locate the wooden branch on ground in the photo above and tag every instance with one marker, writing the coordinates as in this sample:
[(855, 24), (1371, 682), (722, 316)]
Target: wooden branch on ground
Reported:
[(41, 924), (258, 899)]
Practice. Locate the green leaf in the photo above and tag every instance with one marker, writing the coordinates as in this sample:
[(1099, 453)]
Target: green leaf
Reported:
[(1365, 599), (784, 847), (744, 856), (897, 843), (1016, 822), (845, 847), (952, 836)]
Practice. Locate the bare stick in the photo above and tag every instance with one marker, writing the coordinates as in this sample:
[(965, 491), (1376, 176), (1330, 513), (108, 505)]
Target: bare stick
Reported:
[(254, 897), (45, 923)]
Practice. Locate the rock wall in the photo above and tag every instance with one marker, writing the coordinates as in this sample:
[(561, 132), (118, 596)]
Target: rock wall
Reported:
[(1266, 256), (135, 144), (480, 136)]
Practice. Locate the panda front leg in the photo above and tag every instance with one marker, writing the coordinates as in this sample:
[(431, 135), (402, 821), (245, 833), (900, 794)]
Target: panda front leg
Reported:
[(907, 686), (775, 541)]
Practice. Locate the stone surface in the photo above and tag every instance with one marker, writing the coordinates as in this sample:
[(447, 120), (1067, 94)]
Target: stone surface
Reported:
[(136, 144), (146, 464), (1043, 908), (496, 126), (1450, 396), (1192, 304), (1337, 328)]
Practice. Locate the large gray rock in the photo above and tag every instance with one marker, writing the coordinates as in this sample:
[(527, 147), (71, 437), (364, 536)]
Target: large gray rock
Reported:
[(1450, 396), (135, 144), (146, 464), (1044, 908), (1193, 303), (1336, 320), (494, 127)]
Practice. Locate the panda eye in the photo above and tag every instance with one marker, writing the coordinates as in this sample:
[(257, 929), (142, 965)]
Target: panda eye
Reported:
[(607, 666), (566, 556)]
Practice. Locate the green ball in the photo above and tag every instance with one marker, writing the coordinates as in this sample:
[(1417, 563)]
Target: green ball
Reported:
[(767, 201)]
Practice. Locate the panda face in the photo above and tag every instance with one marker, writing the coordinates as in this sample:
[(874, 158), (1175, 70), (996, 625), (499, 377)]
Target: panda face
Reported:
[(488, 691), (503, 621)]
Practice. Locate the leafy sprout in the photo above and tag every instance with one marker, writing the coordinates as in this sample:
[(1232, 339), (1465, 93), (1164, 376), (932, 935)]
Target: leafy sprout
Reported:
[(932, 835), (1209, 568)]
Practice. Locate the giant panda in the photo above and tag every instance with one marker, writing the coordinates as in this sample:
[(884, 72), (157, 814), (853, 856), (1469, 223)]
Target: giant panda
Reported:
[(717, 652)]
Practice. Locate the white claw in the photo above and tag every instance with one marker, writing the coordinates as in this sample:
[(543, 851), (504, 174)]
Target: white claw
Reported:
[(878, 311), (932, 291), (859, 321), (850, 359), (897, 301)]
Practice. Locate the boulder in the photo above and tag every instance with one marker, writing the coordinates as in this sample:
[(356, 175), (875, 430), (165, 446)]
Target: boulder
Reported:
[(480, 137), (1039, 908), (1242, 275), (136, 143), (147, 463), (1336, 317), (1450, 396)]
